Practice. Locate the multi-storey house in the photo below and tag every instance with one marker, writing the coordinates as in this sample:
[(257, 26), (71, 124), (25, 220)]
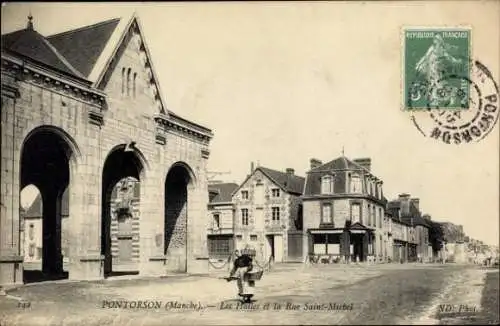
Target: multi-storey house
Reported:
[(268, 214), (399, 235), (418, 230), (220, 220), (343, 207)]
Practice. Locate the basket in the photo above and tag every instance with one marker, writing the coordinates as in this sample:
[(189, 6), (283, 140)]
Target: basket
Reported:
[(255, 276)]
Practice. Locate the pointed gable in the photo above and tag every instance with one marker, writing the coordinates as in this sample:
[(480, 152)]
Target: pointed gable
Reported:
[(83, 46), (126, 56)]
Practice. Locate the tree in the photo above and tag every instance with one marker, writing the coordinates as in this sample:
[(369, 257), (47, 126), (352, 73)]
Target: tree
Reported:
[(436, 235)]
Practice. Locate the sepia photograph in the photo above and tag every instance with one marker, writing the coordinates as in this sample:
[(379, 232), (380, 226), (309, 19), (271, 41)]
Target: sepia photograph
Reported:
[(302, 163)]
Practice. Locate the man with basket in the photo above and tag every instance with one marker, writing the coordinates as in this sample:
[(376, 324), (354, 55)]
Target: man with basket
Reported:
[(244, 273)]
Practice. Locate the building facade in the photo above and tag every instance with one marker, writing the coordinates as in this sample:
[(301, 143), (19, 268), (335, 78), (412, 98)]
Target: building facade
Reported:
[(407, 210), (81, 116), (344, 209), (268, 213), (399, 236), (220, 231)]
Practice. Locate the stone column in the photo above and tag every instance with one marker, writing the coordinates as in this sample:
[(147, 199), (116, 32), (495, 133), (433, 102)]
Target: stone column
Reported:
[(152, 224), (10, 253), (51, 257), (86, 261), (197, 249)]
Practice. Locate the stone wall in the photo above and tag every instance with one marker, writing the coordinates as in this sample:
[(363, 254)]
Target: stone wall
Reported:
[(46, 100)]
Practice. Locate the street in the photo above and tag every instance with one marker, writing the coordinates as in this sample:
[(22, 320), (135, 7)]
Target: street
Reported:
[(289, 294)]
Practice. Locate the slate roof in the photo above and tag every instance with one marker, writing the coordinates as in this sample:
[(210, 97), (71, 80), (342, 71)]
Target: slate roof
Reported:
[(395, 205), (82, 46), (223, 192), (289, 182), (341, 163), (30, 44), (313, 185), (36, 208)]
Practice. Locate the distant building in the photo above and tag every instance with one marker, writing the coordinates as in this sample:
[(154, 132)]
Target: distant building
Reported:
[(268, 214), (32, 232), (418, 230), (125, 221), (344, 209), (220, 216), (399, 232)]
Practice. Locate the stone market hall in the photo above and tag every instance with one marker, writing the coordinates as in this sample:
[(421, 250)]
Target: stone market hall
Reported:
[(82, 111)]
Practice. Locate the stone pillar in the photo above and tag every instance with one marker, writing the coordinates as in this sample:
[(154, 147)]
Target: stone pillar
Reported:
[(152, 224), (197, 249), (51, 257), (86, 261), (10, 253)]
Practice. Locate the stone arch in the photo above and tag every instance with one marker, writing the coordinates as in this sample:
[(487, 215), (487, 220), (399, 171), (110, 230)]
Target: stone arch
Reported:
[(73, 151), (49, 158), (180, 182), (123, 162)]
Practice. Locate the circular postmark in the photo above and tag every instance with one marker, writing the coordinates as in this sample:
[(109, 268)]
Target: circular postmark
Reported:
[(460, 108)]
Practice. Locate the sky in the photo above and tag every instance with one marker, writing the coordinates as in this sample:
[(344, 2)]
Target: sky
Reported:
[(281, 83)]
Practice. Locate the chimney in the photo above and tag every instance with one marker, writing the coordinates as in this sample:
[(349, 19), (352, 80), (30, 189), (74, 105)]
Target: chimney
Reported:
[(416, 203), (364, 163), (252, 167), (404, 199), (315, 163), (290, 171)]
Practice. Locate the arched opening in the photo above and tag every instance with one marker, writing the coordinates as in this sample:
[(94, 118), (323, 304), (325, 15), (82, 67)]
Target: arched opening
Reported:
[(121, 211), (45, 166), (176, 217)]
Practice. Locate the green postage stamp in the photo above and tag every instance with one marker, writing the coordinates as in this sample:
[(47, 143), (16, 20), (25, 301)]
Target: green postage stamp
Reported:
[(436, 68)]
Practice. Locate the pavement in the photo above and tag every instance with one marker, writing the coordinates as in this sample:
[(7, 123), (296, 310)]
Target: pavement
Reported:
[(288, 294)]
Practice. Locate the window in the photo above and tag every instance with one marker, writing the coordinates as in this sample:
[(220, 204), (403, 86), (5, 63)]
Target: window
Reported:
[(276, 213), (253, 237), (356, 184), (128, 81), (276, 193), (326, 213), (244, 194), (327, 184), (380, 216), (31, 252), (219, 247), (123, 80), (133, 83), (216, 221), (31, 231), (369, 215), (244, 216), (356, 213)]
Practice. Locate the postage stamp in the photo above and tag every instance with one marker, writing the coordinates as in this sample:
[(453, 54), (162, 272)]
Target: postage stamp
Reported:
[(462, 126), (430, 55)]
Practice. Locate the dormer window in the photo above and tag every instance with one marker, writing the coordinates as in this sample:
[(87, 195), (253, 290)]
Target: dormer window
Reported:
[(356, 184), (216, 221), (244, 194), (327, 184), (275, 192)]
